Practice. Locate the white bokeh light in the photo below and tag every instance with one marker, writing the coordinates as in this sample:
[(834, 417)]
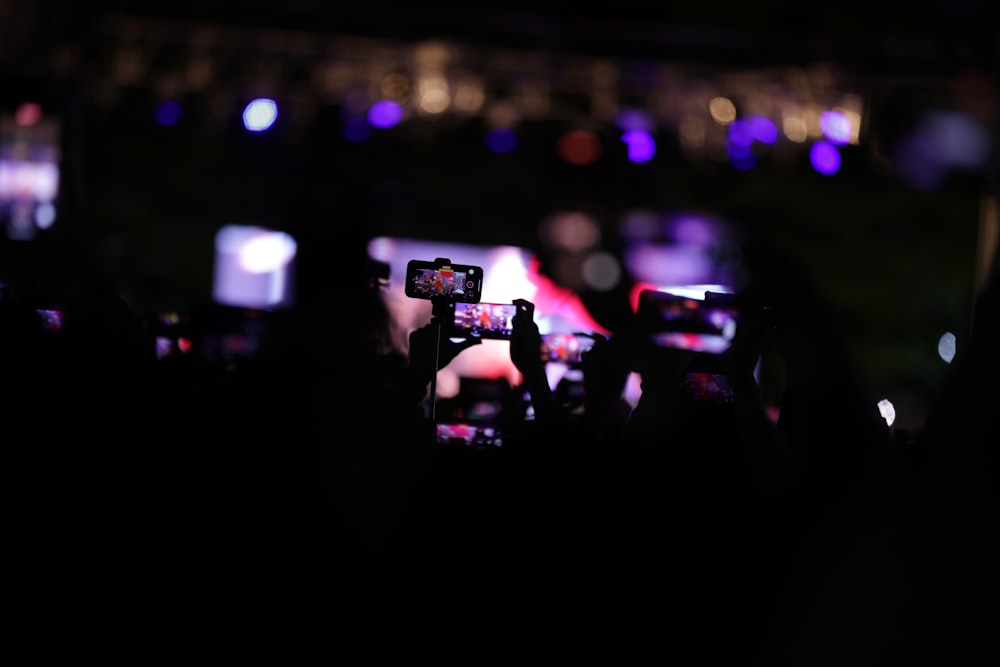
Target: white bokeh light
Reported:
[(946, 346), (887, 410), (260, 114)]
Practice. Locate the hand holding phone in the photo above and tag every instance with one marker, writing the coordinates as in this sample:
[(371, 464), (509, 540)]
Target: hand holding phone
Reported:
[(525, 341), (423, 354)]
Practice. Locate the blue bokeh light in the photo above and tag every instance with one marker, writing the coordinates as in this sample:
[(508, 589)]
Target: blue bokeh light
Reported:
[(169, 112), (740, 133), (501, 140), (764, 130)]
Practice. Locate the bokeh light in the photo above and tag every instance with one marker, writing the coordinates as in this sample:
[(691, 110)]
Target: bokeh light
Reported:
[(260, 114), (28, 114), (501, 140), (579, 147), (824, 157), (763, 129), (946, 346), (641, 147), (836, 127), (385, 114), (887, 410), (169, 112)]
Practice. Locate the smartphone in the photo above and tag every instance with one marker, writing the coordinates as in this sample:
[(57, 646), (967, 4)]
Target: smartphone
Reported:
[(704, 387), (681, 322), (440, 279), (484, 320), (705, 382), (566, 348), (468, 433)]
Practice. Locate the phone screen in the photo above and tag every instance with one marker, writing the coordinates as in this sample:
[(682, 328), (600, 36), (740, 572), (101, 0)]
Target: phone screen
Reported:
[(484, 320), (462, 283), (565, 348), (708, 387), (478, 434), (670, 320)]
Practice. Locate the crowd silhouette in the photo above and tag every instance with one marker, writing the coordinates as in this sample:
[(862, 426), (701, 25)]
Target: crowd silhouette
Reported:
[(287, 481)]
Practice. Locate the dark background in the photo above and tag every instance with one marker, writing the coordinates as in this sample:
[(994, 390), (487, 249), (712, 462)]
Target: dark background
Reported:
[(143, 202)]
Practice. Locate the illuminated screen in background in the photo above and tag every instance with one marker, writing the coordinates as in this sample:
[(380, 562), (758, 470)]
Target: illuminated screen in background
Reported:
[(509, 272), (30, 155), (253, 268)]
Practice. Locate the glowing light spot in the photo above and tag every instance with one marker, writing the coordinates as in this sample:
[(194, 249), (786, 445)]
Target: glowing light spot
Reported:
[(764, 130), (260, 114), (601, 271), (28, 114), (573, 231), (722, 110), (887, 410), (836, 127), (641, 146), (740, 133), (824, 157), (579, 147), (45, 215), (433, 96), (385, 113), (501, 140), (633, 119), (795, 129), (946, 346), (168, 112), (265, 252)]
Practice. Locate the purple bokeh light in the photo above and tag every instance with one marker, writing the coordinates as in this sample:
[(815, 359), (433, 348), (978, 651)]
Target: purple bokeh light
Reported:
[(641, 146), (740, 133), (824, 157), (385, 114), (764, 130)]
